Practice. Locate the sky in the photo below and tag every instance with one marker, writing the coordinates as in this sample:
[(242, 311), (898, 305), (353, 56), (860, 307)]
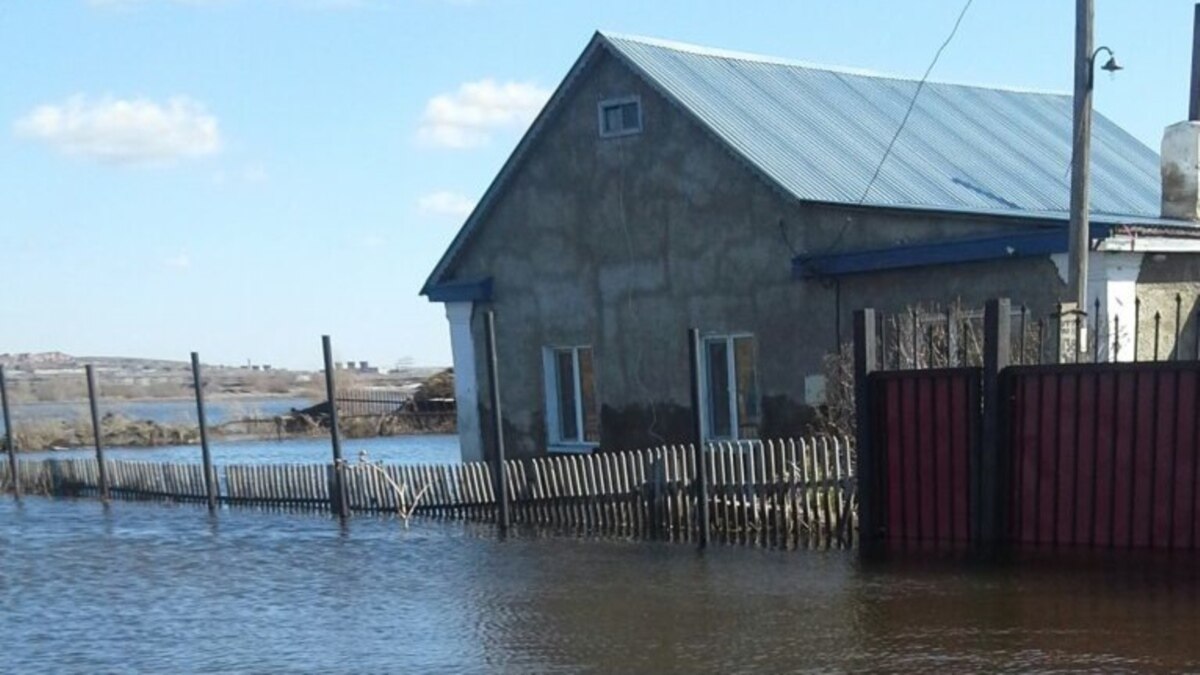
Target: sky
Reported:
[(239, 177)]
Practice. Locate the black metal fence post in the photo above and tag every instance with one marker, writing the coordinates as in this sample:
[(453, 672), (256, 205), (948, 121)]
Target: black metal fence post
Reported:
[(694, 355), (9, 443), (1177, 350), (499, 466), (210, 487), (1137, 325), (869, 484), (988, 465), (337, 493), (97, 435)]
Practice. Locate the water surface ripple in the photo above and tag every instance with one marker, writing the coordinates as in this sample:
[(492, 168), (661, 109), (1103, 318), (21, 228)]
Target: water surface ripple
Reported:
[(157, 588)]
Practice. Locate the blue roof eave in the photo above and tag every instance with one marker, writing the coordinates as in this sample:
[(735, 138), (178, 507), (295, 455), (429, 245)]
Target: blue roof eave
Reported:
[(476, 290), (1017, 244)]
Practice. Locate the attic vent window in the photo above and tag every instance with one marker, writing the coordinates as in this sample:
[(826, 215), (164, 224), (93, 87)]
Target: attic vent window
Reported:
[(620, 116)]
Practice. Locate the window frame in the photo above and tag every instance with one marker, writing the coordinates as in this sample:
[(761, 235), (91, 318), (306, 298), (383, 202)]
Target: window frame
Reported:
[(735, 422), (552, 378), (617, 102)]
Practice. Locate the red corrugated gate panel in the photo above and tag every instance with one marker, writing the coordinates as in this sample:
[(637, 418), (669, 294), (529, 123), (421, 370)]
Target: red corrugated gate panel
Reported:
[(1104, 455), (927, 425)]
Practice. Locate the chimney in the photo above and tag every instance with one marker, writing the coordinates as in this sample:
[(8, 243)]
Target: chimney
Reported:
[(1181, 149)]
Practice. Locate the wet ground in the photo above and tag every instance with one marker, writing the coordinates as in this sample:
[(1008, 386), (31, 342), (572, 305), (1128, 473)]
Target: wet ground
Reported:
[(152, 587)]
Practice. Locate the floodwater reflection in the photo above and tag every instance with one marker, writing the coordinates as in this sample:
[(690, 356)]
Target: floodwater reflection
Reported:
[(159, 588)]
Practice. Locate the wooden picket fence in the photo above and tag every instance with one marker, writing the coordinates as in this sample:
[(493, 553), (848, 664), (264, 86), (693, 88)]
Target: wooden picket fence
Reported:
[(790, 493)]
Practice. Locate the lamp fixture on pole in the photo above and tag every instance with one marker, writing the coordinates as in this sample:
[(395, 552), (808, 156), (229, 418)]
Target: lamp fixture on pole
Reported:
[(1110, 65)]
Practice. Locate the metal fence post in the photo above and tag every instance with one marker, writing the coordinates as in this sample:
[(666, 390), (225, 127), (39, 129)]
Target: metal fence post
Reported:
[(210, 487), (96, 433), (499, 466), (988, 462), (9, 444), (694, 355), (869, 482), (337, 494)]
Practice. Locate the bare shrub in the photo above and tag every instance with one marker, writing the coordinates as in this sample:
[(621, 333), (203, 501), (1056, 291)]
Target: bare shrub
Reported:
[(922, 337), (836, 416)]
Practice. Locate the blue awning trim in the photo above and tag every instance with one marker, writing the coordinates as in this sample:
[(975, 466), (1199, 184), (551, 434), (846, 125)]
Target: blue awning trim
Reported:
[(1019, 244), (461, 291)]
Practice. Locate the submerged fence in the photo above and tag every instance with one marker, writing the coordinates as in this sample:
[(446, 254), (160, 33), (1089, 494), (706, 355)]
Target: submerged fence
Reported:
[(788, 494)]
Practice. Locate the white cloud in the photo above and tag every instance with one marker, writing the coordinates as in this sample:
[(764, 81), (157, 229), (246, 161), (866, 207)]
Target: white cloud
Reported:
[(178, 262), (467, 118), (252, 173), (124, 131), (255, 174), (446, 203)]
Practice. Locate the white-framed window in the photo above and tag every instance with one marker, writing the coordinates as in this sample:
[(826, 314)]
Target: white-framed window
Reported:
[(731, 398), (620, 116), (572, 419)]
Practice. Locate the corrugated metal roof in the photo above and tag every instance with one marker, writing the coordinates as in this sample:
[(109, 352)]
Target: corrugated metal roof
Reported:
[(820, 134)]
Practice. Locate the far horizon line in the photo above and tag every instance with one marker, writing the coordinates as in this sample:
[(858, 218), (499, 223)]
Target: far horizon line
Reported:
[(57, 356)]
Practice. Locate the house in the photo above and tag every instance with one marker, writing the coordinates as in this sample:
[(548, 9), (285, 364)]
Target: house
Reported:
[(667, 186)]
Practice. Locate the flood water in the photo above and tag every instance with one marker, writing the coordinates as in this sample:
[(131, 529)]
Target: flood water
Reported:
[(152, 587)]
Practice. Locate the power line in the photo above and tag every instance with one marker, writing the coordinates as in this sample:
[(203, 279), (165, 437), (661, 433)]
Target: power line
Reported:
[(912, 103)]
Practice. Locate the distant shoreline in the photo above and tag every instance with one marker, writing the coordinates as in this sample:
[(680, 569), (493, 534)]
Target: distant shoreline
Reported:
[(49, 433), (217, 438), (223, 396)]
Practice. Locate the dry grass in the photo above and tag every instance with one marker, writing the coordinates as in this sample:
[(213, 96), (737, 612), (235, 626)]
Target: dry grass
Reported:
[(397, 424), (114, 431)]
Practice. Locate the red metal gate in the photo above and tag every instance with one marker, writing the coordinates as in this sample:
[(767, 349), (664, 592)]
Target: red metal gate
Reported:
[(1104, 455), (1079, 455), (926, 435)]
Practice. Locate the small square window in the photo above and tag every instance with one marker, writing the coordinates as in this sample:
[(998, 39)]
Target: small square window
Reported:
[(620, 117)]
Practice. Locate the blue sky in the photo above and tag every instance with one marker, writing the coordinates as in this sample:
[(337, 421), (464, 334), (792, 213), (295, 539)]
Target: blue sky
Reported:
[(240, 176)]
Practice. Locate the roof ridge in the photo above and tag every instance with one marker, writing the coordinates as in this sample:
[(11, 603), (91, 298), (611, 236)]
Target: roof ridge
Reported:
[(716, 52)]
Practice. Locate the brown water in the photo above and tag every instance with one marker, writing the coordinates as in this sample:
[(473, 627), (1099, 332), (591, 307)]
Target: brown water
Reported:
[(147, 587)]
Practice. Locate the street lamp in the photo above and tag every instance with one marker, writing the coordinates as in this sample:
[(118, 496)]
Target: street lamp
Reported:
[(1078, 239)]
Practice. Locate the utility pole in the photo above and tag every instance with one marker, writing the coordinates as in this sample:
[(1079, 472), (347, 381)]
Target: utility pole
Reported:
[(1194, 98), (1078, 241)]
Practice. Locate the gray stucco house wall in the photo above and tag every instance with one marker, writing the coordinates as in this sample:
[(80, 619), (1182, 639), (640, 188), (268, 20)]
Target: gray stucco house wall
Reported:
[(620, 244)]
